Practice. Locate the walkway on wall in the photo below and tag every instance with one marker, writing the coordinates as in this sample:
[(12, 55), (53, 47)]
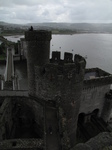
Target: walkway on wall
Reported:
[(9, 71), (52, 140)]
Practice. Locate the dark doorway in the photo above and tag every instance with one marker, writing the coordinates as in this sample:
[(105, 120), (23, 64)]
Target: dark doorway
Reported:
[(81, 118)]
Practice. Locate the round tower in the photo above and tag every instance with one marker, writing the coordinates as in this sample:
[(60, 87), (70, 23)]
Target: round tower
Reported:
[(107, 107), (38, 49)]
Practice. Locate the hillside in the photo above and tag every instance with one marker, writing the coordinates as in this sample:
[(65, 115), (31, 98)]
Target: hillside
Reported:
[(73, 27)]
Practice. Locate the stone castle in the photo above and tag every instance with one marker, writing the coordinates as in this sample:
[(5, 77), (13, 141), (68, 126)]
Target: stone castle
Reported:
[(63, 100)]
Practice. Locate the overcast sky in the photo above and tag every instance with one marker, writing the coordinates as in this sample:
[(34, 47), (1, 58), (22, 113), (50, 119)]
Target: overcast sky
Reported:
[(28, 11)]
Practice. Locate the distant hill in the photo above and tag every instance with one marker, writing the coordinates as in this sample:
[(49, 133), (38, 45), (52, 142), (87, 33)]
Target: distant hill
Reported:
[(84, 27), (79, 27)]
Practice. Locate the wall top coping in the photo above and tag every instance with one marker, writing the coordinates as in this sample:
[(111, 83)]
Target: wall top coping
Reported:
[(38, 35)]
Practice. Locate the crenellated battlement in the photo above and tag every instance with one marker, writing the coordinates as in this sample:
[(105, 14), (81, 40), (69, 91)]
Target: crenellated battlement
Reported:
[(56, 57), (68, 58)]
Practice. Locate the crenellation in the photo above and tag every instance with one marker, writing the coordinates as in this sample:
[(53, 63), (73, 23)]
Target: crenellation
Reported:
[(55, 56), (68, 57)]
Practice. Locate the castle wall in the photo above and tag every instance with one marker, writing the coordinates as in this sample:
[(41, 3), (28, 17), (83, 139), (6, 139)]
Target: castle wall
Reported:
[(98, 71), (98, 81), (93, 98)]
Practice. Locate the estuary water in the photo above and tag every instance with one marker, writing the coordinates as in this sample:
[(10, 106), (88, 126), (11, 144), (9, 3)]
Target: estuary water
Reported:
[(96, 48)]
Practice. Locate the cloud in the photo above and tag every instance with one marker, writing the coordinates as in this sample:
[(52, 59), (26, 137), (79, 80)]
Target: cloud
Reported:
[(25, 11)]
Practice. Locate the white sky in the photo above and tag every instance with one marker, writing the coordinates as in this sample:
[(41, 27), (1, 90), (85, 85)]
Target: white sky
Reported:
[(35, 11)]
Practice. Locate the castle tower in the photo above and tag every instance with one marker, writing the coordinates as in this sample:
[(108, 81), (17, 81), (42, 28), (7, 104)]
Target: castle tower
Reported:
[(57, 81), (61, 82), (107, 108), (38, 49)]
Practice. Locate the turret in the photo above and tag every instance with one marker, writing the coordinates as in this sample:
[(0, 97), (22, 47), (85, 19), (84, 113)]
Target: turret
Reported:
[(38, 49), (62, 79)]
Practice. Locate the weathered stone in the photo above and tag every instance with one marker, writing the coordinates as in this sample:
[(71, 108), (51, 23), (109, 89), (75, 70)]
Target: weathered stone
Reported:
[(82, 146)]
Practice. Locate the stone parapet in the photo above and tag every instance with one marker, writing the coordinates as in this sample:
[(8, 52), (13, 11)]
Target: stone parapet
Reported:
[(98, 71), (98, 81), (68, 58)]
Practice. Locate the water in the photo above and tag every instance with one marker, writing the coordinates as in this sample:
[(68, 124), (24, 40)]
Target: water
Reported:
[(97, 48), (14, 38)]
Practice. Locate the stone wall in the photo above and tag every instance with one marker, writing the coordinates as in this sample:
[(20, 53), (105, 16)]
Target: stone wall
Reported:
[(99, 72), (98, 81), (93, 98), (107, 107), (28, 118), (103, 141), (23, 49), (62, 83), (6, 119), (22, 144), (21, 117), (65, 141)]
